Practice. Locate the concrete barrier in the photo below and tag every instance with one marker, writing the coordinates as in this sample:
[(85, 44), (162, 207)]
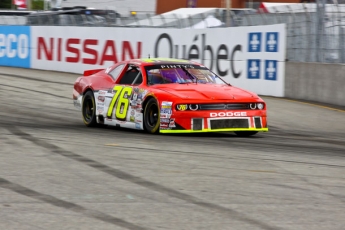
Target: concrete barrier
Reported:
[(315, 82)]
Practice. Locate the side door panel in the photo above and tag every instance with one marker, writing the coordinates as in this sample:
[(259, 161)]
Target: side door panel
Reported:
[(122, 104)]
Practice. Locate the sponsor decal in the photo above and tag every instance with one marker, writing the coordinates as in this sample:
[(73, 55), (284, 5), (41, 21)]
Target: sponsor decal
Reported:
[(102, 92), (172, 124), (137, 125), (229, 114), (142, 93), (101, 98), (167, 103), (177, 66), (166, 111), (131, 118), (139, 117), (182, 107), (165, 120), (164, 115), (164, 125), (166, 106)]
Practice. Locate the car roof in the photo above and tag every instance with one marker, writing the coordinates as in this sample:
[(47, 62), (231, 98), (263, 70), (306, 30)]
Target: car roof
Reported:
[(161, 61)]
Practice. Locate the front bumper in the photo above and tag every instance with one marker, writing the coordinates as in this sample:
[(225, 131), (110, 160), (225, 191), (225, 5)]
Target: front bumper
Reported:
[(199, 122)]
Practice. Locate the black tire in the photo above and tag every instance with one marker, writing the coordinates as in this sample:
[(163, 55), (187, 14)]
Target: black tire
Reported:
[(151, 116), (89, 109), (245, 133)]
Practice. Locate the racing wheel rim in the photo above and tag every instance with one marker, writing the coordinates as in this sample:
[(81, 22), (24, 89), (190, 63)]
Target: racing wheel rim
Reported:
[(88, 109), (153, 115)]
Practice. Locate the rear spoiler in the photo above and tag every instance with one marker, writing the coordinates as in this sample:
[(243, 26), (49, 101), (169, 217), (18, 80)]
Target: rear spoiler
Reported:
[(91, 72)]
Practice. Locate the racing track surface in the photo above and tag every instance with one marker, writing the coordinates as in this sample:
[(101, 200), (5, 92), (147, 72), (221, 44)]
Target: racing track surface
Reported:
[(57, 174)]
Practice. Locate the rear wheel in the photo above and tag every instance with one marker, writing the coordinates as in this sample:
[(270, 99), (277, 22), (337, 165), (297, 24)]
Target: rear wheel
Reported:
[(151, 116), (89, 109), (245, 133)]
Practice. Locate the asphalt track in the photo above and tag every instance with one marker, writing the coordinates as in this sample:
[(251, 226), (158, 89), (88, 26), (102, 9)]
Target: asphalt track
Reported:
[(57, 174)]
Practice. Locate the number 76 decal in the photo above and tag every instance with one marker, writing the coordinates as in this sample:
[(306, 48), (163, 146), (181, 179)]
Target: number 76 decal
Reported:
[(121, 96)]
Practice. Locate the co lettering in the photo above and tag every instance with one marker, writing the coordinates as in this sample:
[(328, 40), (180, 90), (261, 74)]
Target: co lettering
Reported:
[(12, 46), (197, 52)]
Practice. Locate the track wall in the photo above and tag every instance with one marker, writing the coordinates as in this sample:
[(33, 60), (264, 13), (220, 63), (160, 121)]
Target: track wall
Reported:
[(316, 82)]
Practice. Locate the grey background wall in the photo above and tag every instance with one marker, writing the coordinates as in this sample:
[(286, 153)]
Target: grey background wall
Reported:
[(315, 82)]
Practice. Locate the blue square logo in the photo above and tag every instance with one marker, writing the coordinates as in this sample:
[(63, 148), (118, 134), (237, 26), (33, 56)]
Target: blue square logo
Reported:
[(253, 66), (272, 42), (271, 70), (254, 44)]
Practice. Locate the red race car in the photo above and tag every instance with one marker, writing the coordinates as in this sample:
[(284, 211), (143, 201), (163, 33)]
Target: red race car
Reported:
[(167, 96)]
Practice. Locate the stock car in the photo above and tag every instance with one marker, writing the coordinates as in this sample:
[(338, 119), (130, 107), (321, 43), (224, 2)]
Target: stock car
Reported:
[(163, 95)]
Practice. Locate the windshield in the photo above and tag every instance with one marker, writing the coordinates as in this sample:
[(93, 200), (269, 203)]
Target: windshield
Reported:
[(182, 74)]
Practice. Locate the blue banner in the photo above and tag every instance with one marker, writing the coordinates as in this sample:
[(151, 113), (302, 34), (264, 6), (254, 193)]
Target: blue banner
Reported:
[(15, 46)]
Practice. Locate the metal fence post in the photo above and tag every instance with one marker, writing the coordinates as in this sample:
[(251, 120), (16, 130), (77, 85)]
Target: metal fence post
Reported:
[(341, 45), (320, 29)]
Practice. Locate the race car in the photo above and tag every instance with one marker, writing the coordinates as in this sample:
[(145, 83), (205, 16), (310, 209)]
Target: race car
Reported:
[(163, 95)]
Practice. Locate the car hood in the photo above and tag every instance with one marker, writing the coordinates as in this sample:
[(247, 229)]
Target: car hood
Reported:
[(206, 91)]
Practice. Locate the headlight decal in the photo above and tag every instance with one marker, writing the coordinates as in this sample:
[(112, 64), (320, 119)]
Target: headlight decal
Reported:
[(181, 107)]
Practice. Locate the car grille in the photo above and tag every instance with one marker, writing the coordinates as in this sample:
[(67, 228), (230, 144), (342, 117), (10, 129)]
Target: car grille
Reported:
[(197, 123), (229, 123), (223, 106), (257, 121)]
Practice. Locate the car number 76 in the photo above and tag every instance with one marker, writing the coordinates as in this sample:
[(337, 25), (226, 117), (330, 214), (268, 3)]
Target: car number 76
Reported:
[(121, 96)]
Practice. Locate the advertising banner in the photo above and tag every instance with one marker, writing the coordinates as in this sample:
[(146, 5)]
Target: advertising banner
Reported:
[(15, 46), (252, 58)]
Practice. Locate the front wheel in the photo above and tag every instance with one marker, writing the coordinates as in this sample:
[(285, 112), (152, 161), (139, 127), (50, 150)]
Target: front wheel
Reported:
[(245, 133), (89, 109), (151, 116)]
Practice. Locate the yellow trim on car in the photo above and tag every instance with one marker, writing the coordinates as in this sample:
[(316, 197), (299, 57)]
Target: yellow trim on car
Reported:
[(211, 130)]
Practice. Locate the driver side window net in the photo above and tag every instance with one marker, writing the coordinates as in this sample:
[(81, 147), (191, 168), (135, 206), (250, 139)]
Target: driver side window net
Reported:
[(132, 76)]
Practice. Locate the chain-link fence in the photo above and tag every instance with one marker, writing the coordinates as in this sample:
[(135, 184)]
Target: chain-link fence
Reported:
[(315, 33)]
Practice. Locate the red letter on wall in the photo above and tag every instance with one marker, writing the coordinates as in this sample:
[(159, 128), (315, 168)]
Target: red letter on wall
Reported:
[(42, 45), (109, 57), (87, 50), (126, 48), (71, 49)]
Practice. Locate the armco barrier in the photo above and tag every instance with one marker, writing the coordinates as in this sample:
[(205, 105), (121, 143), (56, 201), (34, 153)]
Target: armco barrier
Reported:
[(316, 82), (252, 58)]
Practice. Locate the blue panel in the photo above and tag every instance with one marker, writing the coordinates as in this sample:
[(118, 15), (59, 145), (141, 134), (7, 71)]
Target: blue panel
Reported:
[(272, 42), (253, 71), (15, 42), (254, 42), (271, 70)]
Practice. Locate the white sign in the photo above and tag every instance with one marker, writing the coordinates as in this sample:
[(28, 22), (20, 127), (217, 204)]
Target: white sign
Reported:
[(252, 57)]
